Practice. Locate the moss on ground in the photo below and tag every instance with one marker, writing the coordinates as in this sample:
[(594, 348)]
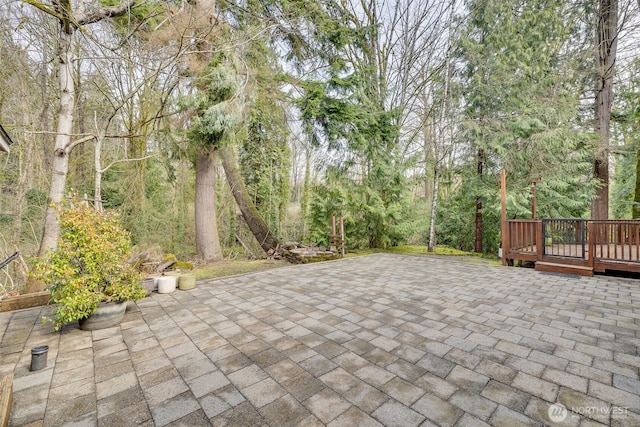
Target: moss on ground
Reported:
[(226, 268), (441, 250), (423, 250), (238, 266)]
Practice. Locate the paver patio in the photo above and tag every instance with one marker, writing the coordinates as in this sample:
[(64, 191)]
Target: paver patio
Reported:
[(376, 340)]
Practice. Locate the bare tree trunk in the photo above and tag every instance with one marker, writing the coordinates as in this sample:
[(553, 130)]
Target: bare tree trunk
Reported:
[(78, 162), (635, 210), (44, 118), (60, 164), (207, 239), (306, 192), (478, 234), (440, 147), (63, 144), (606, 39), (434, 206), (97, 179), (267, 240)]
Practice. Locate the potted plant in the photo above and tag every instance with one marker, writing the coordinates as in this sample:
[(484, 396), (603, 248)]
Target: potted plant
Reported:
[(87, 270)]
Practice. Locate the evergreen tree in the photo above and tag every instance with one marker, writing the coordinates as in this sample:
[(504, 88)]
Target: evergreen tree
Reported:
[(606, 42), (265, 163), (345, 108), (264, 153), (521, 104), (625, 190), (218, 113)]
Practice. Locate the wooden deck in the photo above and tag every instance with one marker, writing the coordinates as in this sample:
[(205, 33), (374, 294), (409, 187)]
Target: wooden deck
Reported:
[(622, 253), (573, 245)]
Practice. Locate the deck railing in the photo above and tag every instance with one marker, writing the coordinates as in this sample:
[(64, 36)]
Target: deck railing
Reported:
[(522, 236), (615, 241), (565, 237), (603, 245)]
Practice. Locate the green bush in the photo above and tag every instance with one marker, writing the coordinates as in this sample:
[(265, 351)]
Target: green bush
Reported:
[(88, 266)]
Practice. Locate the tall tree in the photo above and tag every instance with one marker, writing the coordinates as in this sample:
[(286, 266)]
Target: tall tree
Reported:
[(606, 42), (625, 185), (248, 110), (263, 144), (520, 105), (440, 146), (207, 237), (218, 113), (259, 228), (221, 106), (69, 20), (365, 59), (264, 158)]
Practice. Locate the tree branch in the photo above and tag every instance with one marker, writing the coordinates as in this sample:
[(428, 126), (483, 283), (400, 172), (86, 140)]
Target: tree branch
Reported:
[(104, 12), (44, 8), (77, 142), (52, 132), (106, 168)]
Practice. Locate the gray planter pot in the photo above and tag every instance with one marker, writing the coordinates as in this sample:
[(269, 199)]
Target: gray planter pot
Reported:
[(150, 284), (107, 315), (187, 281)]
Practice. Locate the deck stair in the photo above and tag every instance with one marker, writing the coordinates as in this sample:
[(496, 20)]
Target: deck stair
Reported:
[(564, 268)]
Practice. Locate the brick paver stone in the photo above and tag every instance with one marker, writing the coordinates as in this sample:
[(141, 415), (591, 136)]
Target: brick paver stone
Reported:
[(326, 405), (394, 413), (354, 417), (438, 410)]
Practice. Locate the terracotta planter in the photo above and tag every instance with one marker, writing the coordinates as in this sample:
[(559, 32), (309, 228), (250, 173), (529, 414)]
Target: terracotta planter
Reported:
[(107, 315)]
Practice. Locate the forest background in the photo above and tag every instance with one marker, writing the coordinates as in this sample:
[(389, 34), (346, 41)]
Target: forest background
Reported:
[(397, 115)]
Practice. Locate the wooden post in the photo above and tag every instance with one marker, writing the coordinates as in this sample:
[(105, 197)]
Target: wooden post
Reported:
[(342, 235), (534, 207), (591, 240), (333, 231), (539, 240), (503, 217)]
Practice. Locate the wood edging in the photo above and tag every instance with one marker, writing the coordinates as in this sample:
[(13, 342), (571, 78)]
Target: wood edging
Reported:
[(6, 398), (18, 302)]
